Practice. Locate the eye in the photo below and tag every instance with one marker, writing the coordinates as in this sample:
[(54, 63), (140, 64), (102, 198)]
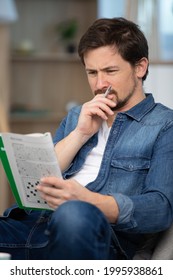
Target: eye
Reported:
[(91, 73), (111, 71)]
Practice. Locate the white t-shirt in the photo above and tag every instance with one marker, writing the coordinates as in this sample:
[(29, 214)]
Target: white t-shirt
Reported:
[(91, 166)]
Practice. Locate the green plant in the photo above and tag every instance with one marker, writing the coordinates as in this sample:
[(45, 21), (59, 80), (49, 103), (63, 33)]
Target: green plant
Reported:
[(67, 29)]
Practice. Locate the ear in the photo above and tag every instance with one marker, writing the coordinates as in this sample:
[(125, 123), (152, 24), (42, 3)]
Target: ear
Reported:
[(141, 67)]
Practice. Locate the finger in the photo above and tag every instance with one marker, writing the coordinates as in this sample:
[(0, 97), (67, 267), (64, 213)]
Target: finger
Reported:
[(108, 101), (52, 181), (48, 190), (53, 202), (104, 104), (100, 109), (104, 107), (50, 199)]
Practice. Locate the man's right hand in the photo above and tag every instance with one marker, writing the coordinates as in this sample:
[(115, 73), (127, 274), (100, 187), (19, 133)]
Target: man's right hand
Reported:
[(90, 119), (93, 113)]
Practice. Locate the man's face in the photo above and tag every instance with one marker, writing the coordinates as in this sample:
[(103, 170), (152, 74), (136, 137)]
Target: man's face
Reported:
[(105, 66)]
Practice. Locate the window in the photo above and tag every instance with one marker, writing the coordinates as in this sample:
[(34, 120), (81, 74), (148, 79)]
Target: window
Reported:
[(166, 28), (155, 17), (111, 8)]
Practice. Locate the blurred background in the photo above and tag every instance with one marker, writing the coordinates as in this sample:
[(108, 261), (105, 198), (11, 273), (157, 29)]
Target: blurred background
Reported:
[(41, 77)]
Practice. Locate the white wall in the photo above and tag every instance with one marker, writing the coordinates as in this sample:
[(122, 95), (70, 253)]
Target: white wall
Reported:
[(160, 83)]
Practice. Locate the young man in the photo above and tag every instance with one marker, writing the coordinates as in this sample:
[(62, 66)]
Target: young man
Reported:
[(116, 155)]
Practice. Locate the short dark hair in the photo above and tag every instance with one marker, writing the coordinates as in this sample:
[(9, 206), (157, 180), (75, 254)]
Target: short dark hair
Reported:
[(125, 35)]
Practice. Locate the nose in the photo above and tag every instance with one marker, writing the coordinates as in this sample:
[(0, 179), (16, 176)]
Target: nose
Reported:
[(101, 82)]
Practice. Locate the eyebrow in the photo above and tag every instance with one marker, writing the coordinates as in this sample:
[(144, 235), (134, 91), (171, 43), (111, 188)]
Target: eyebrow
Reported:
[(103, 69)]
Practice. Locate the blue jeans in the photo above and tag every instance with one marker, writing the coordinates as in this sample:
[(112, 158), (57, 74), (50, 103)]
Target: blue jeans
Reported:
[(76, 230)]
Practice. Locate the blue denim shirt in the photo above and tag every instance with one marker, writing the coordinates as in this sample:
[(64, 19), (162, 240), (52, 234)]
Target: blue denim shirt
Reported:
[(137, 165)]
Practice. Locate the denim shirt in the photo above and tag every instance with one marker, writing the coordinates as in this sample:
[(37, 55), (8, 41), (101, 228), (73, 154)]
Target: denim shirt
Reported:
[(137, 165)]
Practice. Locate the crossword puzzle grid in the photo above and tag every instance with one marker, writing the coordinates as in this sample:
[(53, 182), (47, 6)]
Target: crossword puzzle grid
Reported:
[(32, 195)]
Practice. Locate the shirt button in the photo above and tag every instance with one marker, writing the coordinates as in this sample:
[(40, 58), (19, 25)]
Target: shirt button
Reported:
[(130, 166)]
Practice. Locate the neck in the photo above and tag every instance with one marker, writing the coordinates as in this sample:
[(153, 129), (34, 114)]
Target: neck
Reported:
[(111, 120)]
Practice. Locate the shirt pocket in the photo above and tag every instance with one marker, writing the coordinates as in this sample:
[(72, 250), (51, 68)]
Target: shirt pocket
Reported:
[(128, 175), (131, 164)]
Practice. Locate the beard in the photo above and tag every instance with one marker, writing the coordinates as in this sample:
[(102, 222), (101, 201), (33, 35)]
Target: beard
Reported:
[(120, 103)]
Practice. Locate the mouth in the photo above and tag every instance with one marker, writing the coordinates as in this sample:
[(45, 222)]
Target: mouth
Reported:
[(102, 91)]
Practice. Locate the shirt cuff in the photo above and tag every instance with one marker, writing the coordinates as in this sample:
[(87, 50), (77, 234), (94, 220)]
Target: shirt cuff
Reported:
[(126, 210)]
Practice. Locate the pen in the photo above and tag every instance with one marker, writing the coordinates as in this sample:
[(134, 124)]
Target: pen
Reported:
[(107, 91)]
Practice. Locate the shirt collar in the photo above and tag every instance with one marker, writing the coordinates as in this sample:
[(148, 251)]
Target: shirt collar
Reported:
[(141, 109)]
